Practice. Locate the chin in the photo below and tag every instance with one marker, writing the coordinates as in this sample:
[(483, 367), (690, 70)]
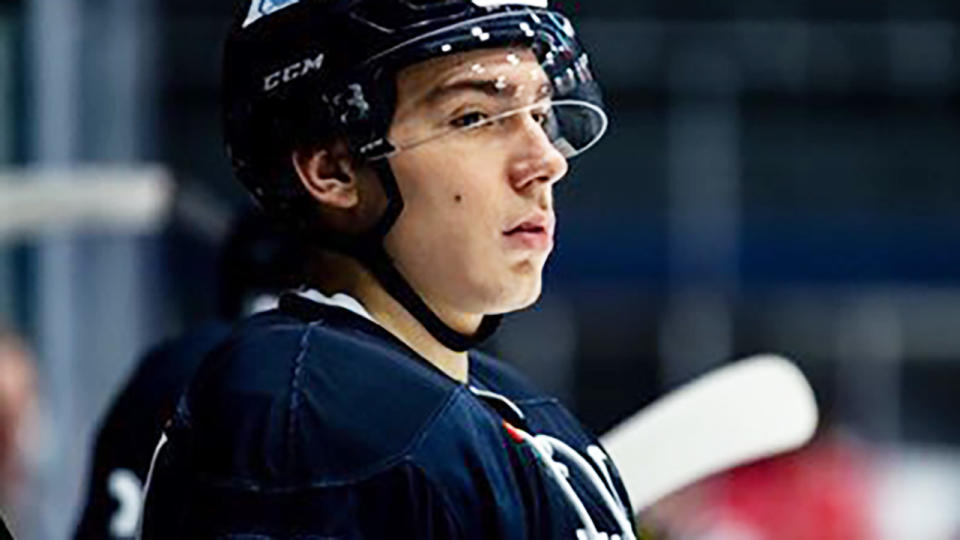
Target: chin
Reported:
[(519, 295)]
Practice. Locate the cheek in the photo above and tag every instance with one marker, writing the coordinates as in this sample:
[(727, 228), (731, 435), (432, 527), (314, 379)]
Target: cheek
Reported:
[(454, 207), (449, 188)]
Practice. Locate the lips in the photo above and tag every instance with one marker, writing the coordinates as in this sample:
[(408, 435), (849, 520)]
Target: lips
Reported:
[(534, 231), (526, 228), (534, 223)]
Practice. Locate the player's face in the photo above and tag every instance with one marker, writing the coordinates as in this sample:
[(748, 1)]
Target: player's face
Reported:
[(478, 220)]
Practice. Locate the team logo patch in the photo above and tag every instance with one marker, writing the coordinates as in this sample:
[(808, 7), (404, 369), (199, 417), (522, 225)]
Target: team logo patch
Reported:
[(494, 3), (262, 8)]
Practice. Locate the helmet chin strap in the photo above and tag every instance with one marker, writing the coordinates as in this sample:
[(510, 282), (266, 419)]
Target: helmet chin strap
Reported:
[(369, 250)]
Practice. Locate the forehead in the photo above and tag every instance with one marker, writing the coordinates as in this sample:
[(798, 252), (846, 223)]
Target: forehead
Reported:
[(514, 66)]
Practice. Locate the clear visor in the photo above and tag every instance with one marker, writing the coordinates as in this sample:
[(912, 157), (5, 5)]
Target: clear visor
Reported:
[(497, 82), (570, 126)]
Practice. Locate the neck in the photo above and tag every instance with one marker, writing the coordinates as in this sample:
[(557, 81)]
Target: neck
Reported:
[(352, 278)]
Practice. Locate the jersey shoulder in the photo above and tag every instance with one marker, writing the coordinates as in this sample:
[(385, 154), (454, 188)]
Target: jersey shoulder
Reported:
[(308, 395)]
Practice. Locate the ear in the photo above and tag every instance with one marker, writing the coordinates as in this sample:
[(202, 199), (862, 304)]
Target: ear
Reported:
[(327, 175)]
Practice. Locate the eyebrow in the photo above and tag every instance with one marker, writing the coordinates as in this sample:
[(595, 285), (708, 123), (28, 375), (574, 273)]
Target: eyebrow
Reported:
[(485, 86)]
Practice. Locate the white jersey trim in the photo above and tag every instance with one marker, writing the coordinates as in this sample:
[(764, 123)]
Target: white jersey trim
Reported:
[(146, 485), (342, 300)]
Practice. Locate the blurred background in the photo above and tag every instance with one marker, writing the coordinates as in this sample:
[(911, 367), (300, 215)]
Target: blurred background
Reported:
[(778, 176)]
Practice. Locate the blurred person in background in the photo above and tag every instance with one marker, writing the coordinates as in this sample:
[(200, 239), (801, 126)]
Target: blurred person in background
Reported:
[(416, 146), (822, 491), (256, 264), (18, 395)]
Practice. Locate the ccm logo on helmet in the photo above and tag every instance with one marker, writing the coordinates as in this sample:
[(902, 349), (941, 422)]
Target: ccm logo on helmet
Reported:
[(291, 72)]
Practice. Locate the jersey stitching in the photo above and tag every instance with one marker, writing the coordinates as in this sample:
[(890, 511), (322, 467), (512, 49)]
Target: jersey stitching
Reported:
[(295, 391), (428, 425), (364, 474)]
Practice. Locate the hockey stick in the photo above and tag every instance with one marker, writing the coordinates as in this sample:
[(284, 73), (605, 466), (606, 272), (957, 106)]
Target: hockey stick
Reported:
[(739, 413)]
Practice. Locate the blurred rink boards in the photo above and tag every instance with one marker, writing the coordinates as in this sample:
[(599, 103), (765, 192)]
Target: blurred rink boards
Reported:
[(80, 275), (125, 199), (838, 488)]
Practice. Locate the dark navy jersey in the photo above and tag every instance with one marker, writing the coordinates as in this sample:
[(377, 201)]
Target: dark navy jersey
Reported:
[(312, 421)]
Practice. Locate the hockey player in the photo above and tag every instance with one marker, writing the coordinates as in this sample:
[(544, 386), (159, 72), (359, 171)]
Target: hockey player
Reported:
[(256, 263), (415, 145)]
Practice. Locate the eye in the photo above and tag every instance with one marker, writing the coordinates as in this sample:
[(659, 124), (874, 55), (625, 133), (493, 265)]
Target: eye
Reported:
[(468, 119), (541, 117)]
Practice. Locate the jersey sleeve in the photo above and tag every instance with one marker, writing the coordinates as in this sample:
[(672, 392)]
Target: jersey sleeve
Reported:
[(403, 503), (398, 503), (280, 435)]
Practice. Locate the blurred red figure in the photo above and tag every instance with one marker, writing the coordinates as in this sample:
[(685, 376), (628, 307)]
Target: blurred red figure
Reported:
[(17, 399), (821, 492)]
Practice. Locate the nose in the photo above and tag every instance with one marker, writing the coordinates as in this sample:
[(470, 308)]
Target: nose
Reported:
[(535, 160)]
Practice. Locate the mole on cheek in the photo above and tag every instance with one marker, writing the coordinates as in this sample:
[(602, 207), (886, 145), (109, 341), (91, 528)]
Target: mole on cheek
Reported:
[(457, 197)]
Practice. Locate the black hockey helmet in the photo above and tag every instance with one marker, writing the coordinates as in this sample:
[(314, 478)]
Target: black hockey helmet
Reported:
[(300, 72)]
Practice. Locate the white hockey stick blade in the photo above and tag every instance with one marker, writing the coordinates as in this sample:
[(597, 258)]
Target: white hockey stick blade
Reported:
[(744, 411)]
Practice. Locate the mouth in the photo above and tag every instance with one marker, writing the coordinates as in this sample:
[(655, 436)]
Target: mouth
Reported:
[(526, 228), (534, 232)]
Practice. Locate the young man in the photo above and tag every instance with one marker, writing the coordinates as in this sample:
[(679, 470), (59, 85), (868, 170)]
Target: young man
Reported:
[(415, 144)]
